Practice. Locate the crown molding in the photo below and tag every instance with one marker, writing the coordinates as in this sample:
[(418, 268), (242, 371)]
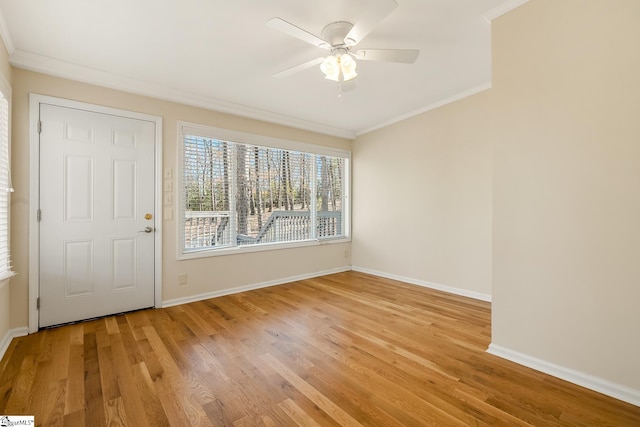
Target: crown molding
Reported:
[(4, 34), (46, 65), (67, 70), (502, 9), (437, 104)]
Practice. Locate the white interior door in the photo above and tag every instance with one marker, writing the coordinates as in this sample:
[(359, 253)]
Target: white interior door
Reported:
[(97, 224)]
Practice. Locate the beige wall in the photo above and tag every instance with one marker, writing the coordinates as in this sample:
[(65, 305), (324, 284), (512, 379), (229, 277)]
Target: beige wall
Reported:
[(205, 274), (5, 286), (566, 211), (422, 198), (529, 191), (5, 67)]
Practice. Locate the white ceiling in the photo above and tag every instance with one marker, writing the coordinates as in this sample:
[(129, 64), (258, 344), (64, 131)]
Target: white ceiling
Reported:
[(219, 54)]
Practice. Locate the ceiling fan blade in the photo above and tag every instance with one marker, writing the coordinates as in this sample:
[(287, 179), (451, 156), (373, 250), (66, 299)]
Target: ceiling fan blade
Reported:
[(369, 20), (406, 56), (298, 68), (297, 32)]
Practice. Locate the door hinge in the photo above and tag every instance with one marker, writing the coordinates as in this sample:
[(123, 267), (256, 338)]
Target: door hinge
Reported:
[(39, 215), (39, 126), (38, 303)]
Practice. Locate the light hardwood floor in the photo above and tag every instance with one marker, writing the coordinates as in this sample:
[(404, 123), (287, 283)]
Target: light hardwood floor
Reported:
[(347, 349)]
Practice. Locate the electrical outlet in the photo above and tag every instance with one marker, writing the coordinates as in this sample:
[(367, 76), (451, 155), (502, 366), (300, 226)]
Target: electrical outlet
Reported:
[(182, 279), (346, 253)]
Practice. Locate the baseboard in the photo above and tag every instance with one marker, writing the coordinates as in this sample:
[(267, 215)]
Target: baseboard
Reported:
[(230, 291), (423, 283), (9, 336), (214, 294), (591, 382)]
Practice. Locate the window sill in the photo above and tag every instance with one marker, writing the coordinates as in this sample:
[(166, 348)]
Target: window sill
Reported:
[(6, 275), (237, 250)]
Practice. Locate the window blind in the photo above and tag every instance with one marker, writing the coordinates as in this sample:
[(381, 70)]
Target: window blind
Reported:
[(237, 194), (5, 188)]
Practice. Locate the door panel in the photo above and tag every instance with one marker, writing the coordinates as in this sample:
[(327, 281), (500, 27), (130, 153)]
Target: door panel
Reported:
[(78, 268), (97, 183), (123, 256), (124, 190), (77, 191)]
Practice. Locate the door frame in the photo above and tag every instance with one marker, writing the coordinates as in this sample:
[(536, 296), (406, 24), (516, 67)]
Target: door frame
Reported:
[(35, 100)]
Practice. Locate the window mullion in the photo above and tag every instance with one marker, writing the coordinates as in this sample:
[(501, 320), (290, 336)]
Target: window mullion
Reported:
[(233, 217), (346, 202), (313, 205)]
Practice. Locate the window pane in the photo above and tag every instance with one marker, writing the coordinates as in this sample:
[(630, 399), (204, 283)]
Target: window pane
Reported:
[(273, 195), (329, 196), (206, 193)]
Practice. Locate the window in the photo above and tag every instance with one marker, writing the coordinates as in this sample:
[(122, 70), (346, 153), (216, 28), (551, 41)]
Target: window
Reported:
[(5, 185), (243, 192)]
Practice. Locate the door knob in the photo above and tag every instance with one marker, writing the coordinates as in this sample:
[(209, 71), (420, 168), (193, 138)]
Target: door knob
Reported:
[(147, 229)]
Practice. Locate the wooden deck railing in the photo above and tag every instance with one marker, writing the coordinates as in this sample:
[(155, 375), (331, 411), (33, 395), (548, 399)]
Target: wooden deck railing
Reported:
[(210, 228), (206, 228), (291, 226)]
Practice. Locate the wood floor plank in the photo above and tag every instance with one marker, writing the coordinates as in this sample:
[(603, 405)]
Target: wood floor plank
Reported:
[(94, 403), (347, 349), (47, 376), (21, 392), (153, 408), (114, 412), (333, 410), (300, 417), (171, 391), (74, 398), (74, 419), (129, 398)]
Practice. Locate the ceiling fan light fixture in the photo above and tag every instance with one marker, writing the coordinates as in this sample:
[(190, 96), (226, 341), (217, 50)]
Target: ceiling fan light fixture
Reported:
[(331, 68), (348, 67), (339, 68)]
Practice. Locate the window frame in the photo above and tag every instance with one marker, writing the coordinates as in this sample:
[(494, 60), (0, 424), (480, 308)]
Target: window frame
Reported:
[(7, 271), (187, 128)]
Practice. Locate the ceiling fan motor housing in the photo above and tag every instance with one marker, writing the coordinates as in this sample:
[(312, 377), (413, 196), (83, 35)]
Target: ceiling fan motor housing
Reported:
[(336, 32)]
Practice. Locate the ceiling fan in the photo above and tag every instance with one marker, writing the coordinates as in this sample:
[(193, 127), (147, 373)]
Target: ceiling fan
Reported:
[(340, 38)]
